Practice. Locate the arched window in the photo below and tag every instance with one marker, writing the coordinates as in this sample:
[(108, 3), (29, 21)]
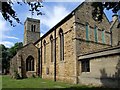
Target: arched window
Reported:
[(61, 44), (32, 28), (30, 63), (51, 40), (44, 43)]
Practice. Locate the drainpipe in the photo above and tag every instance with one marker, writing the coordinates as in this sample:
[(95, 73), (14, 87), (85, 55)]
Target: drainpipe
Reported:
[(111, 36), (38, 61), (41, 60), (55, 57)]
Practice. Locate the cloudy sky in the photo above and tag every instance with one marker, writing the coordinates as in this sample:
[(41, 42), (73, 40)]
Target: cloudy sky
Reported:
[(10, 35)]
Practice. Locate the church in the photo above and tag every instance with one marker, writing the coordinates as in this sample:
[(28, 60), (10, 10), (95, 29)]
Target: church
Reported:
[(78, 50)]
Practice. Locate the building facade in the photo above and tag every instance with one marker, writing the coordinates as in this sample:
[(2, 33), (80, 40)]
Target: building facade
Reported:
[(76, 50)]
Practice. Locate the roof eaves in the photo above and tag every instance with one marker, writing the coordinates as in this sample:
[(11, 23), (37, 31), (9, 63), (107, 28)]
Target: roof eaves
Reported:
[(61, 22)]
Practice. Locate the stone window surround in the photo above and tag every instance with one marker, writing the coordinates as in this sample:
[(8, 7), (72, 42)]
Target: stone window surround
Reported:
[(44, 43), (61, 35), (30, 64), (52, 46)]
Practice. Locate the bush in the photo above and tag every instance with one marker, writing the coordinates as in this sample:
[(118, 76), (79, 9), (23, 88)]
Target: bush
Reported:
[(33, 76), (16, 75)]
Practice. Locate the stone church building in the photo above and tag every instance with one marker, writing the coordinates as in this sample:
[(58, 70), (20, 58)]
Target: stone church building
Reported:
[(76, 50)]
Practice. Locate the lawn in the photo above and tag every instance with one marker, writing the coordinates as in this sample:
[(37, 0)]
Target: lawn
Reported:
[(7, 82), (38, 83)]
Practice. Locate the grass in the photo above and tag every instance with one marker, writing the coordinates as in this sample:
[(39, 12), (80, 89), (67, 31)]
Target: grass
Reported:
[(38, 83), (8, 82)]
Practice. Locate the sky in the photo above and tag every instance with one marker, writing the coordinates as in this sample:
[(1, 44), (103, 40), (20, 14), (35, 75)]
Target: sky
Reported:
[(10, 35)]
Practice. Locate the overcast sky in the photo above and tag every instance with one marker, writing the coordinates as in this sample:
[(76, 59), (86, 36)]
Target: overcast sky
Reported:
[(10, 35)]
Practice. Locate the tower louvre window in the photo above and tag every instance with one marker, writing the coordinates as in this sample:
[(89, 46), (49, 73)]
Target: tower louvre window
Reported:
[(32, 28)]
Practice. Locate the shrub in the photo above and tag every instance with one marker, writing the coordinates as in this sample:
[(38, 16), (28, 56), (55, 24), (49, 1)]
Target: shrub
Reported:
[(16, 75)]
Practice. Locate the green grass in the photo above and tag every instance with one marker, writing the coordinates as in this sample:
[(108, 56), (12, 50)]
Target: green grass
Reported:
[(9, 83)]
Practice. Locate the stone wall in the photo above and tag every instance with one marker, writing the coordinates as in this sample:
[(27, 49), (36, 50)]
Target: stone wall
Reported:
[(33, 51), (13, 66), (103, 72), (83, 15), (31, 37), (115, 33), (65, 70), (75, 43), (18, 62)]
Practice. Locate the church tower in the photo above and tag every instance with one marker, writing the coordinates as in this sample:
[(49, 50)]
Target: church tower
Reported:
[(31, 30)]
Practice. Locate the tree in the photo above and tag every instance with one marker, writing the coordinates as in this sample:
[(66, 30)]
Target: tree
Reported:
[(4, 57), (100, 6), (13, 50), (8, 54), (8, 12)]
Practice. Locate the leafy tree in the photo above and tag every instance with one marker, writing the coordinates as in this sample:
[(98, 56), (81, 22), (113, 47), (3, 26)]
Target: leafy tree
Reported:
[(100, 6), (8, 12), (7, 54), (4, 56), (13, 50)]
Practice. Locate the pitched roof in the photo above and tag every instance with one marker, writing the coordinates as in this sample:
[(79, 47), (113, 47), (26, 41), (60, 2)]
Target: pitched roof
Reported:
[(62, 21)]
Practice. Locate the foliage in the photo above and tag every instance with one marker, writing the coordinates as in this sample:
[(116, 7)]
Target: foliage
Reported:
[(7, 54), (100, 6), (8, 11), (13, 50), (4, 56), (33, 76), (16, 76)]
